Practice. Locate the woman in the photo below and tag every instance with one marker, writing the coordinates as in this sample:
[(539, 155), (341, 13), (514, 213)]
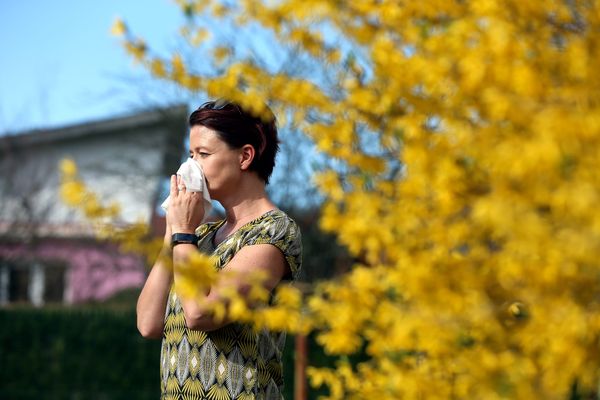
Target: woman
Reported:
[(201, 357)]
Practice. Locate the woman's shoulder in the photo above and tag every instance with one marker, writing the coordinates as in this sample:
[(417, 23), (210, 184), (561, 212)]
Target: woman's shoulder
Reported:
[(274, 227), (279, 229), (275, 221), (275, 215)]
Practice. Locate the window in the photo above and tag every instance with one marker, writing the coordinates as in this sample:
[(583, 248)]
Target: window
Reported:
[(35, 282), (18, 284), (54, 283)]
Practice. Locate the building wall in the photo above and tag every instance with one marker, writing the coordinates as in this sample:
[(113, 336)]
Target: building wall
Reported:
[(43, 242), (123, 164), (90, 271)]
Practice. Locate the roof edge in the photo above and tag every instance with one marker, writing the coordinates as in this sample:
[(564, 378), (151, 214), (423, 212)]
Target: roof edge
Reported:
[(146, 117)]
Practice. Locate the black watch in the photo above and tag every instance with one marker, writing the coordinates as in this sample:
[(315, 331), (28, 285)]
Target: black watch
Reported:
[(178, 238)]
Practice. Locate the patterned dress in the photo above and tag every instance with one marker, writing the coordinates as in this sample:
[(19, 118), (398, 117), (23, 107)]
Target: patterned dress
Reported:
[(235, 361)]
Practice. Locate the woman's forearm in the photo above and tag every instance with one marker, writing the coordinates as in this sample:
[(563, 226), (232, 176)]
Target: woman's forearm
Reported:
[(196, 315), (154, 296)]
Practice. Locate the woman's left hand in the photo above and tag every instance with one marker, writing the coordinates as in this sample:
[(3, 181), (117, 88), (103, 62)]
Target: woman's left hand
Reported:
[(186, 209)]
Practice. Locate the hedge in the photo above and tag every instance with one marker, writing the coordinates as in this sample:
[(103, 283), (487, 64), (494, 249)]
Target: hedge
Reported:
[(88, 353)]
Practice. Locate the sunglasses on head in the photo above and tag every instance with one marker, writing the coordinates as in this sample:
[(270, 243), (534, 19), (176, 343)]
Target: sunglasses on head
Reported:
[(220, 104)]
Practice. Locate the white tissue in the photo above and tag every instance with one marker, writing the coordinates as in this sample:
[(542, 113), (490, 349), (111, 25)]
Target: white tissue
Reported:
[(193, 178)]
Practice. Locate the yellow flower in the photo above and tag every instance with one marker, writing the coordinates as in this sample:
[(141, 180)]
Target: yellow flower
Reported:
[(137, 49), (157, 68), (220, 53), (68, 168), (118, 28), (339, 342), (288, 296), (72, 193), (178, 70), (201, 35)]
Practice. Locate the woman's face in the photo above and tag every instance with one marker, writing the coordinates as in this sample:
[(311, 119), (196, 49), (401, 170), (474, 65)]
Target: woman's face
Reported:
[(221, 165)]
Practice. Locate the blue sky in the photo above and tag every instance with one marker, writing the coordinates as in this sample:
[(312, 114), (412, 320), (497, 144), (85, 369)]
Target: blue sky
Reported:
[(60, 65)]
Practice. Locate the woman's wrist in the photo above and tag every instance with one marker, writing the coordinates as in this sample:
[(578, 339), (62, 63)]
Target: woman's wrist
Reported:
[(182, 229), (168, 234)]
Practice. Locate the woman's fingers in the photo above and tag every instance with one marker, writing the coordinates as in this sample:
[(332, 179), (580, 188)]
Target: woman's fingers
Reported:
[(173, 189), (177, 185), (181, 184)]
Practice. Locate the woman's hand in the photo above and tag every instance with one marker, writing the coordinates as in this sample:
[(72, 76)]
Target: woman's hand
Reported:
[(186, 209)]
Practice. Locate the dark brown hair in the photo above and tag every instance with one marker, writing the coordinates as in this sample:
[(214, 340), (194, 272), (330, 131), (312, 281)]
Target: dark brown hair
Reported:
[(238, 127)]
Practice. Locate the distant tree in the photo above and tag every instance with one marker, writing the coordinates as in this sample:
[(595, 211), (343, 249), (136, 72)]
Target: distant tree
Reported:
[(24, 192)]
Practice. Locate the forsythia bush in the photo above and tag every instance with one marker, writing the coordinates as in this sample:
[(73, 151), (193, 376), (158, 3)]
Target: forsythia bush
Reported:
[(468, 140)]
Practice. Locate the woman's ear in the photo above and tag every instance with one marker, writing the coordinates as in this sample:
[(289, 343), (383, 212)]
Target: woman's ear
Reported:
[(246, 156)]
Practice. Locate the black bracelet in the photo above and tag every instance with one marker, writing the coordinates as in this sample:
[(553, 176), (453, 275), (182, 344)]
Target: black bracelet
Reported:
[(179, 238)]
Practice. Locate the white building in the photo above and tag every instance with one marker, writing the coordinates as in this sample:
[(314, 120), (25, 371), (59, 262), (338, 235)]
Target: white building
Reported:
[(47, 251)]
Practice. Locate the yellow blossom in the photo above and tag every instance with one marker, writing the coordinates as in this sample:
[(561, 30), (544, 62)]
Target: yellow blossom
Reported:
[(200, 36), (119, 28), (72, 192), (68, 168), (157, 68), (220, 53)]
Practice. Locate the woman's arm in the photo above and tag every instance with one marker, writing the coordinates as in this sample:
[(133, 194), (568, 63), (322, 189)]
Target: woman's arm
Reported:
[(185, 214), (260, 257), (152, 301)]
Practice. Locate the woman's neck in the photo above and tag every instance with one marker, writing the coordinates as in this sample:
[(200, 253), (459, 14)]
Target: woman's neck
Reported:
[(247, 211), (251, 203)]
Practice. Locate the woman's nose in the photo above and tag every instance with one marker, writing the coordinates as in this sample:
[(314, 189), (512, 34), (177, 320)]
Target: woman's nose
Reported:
[(198, 159)]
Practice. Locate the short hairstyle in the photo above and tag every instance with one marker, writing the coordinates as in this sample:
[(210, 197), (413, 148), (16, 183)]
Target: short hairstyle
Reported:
[(238, 127)]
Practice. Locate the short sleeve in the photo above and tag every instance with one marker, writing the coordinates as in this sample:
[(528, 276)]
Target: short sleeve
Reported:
[(282, 232)]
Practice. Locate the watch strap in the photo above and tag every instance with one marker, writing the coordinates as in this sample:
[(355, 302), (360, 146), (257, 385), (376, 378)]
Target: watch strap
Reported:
[(178, 238)]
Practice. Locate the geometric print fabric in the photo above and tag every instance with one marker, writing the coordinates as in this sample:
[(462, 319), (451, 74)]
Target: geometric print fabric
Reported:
[(235, 361)]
